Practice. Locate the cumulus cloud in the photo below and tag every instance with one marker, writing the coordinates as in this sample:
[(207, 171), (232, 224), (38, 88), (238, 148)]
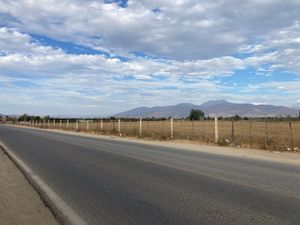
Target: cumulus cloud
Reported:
[(179, 30), (23, 55)]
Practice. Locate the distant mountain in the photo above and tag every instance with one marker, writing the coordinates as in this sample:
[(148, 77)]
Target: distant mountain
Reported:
[(210, 108), (227, 109), (176, 111)]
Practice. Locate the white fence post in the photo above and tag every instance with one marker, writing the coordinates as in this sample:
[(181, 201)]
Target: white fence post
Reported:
[(101, 125), (172, 129), (54, 123), (68, 123), (60, 124), (87, 125), (216, 130), (119, 126), (141, 127), (77, 125)]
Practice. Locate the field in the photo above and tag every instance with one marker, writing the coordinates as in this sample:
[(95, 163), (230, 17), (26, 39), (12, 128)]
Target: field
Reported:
[(263, 134)]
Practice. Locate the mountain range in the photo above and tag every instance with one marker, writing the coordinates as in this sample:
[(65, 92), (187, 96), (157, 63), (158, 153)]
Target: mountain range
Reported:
[(211, 108)]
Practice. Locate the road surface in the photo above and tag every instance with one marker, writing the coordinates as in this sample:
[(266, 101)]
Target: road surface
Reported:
[(114, 182)]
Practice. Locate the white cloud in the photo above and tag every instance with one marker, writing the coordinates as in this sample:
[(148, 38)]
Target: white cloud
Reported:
[(36, 59), (182, 30), (14, 42)]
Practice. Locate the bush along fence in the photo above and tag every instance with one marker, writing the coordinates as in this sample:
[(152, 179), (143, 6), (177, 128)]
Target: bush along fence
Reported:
[(254, 133)]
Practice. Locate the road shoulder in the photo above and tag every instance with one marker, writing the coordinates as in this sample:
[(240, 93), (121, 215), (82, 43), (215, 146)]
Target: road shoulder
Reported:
[(20, 204)]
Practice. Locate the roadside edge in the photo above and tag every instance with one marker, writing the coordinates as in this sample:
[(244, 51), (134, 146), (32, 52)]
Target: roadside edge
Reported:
[(62, 212)]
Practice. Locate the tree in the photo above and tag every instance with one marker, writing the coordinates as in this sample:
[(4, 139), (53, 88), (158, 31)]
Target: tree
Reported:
[(196, 114), (237, 117), (23, 118), (37, 118), (46, 118)]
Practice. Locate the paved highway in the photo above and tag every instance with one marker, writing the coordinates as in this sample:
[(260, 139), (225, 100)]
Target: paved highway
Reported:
[(114, 182)]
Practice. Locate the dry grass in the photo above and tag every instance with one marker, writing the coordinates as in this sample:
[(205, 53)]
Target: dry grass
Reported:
[(275, 135)]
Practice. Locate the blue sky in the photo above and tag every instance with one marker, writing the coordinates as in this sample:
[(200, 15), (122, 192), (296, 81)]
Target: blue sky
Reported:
[(97, 58)]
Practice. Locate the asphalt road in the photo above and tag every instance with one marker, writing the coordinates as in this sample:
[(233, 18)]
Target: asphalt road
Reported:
[(114, 182)]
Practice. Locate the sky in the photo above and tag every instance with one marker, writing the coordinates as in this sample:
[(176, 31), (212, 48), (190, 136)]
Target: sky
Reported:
[(100, 57)]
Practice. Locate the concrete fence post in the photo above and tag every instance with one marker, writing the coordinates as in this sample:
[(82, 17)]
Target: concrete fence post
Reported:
[(216, 130), (48, 123), (232, 129), (68, 123), (141, 127), (101, 125), (172, 129), (88, 125), (60, 123), (250, 133), (291, 135), (54, 123), (119, 126), (266, 134), (77, 125)]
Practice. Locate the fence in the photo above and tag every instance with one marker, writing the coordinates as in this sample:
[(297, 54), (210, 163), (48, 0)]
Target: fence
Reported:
[(263, 134)]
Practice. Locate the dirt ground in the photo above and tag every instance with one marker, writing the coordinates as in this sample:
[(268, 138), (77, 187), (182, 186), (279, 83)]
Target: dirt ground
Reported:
[(19, 202)]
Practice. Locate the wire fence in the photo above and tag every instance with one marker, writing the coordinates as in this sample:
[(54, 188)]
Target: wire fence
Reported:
[(264, 134)]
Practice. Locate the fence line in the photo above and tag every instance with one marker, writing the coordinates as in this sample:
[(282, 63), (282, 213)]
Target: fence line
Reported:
[(264, 134)]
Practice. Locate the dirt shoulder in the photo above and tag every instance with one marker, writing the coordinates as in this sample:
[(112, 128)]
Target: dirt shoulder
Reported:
[(20, 204), (274, 156)]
